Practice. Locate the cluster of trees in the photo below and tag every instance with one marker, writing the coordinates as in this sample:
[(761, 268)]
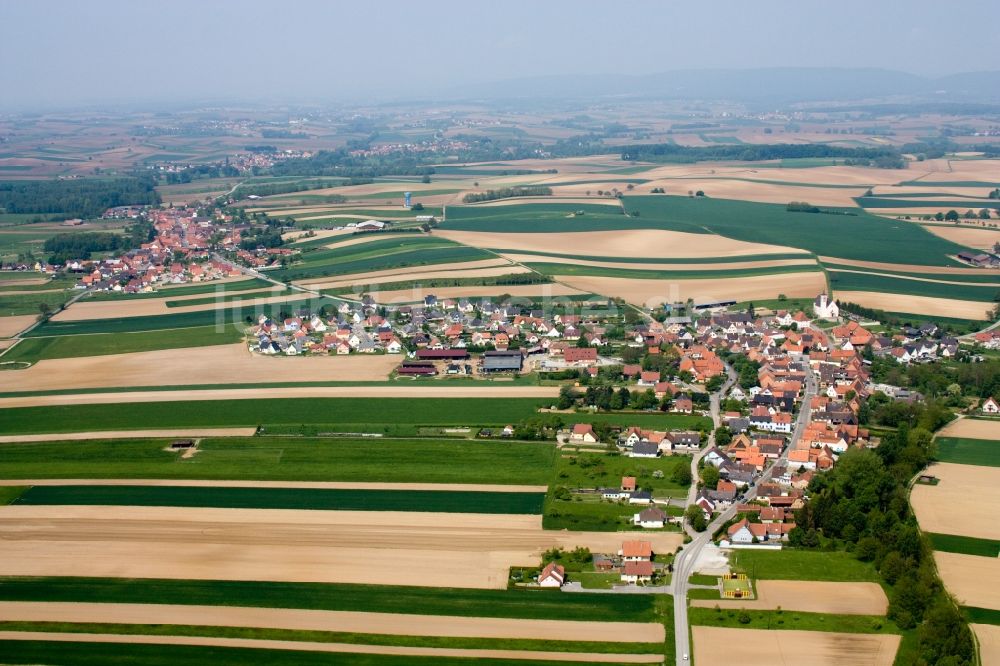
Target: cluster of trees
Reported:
[(79, 245), (745, 368), (269, 236), (668, 152), (941, 380), (953, 215), (801, 207), (199, 171), (507, 193), (861, 504), (81, 197)]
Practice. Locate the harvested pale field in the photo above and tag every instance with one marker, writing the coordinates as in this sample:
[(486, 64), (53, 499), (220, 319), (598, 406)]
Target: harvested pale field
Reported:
[(926, 305), (406, 275), (831, 175), (11, 326), (378, 548), (963, 503), (549, 290), (405, 389), (27, 293), (969, 236), (908, 268), (743, 190), (743, 265), (714, 646), (338, 621), (809, 597), (219, 364), (903, 191), (83, 310), (973, 579), (324, 282), (988, 636), (336, 648), (647, 293), (941, 280), (972, 428), (128, 434), (651, 243), (312, 485)]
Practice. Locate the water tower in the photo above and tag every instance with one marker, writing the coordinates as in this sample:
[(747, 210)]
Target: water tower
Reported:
[(406, 199)]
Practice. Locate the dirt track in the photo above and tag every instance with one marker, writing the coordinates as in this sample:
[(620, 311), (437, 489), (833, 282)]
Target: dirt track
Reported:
[(647, 243), (130, 434), (928, 305), (378, 548), (403, 390), (331, 647), (810, 597), (219, 364), (714, 646), (351, 485), (339, 621), (963, 503), (973, 579), (655, 292)]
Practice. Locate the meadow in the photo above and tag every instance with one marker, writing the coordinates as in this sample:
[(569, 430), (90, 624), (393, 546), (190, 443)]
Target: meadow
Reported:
[(286, 459), (803, 565), (187, 290), (605, 271), (287, 498)]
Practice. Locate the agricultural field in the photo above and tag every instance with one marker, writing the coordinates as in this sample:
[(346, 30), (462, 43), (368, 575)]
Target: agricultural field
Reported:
[(713, 647)]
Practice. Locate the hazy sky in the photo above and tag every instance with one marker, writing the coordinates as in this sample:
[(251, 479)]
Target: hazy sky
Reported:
[(81, 51)]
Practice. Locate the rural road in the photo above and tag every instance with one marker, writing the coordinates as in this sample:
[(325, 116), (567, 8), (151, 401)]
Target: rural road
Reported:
[(685, 561)]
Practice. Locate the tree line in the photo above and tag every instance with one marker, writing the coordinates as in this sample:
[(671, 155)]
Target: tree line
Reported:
[(669, 152), (79, 245), (507, 193)]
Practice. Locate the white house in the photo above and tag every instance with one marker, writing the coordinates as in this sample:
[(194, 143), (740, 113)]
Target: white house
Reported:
[(990, 406), (553, 575), (824, 308), (583, 432), (651, 518)]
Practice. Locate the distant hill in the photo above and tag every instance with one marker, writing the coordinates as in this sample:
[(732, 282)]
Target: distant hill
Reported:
[(781, 84)]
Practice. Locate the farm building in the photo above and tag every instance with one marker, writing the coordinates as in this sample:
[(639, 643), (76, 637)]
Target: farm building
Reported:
[(442, 354), (502, 361)]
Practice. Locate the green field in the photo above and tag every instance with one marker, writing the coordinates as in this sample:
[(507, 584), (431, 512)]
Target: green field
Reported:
[(101, 344), (342, 414), (789, 620), (605, 271), (230, 299), (286, 498), (789, 564), (528, 604), (224, 315), (645, 420), (286, 459), (982, 615), (967, 451), (112, 654), (921, 202), (671, 260), (401, 251), (858, 281), (30, 302), (951, 543), (186, 290), (890, 241)]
